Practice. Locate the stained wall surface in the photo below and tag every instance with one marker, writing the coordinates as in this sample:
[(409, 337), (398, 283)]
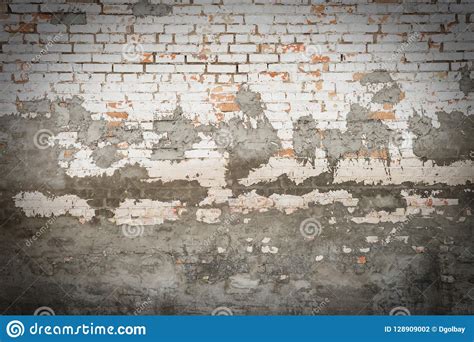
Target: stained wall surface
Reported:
[(236, 157)]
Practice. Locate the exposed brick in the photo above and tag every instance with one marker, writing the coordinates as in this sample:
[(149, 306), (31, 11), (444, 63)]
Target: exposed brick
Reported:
[(214, 130), (20, 27)]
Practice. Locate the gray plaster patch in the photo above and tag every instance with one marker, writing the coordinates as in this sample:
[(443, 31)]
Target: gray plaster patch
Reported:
[(466, 83), (24, 167), (249, 103), (144, 8), (390, 94), (249, 146), (180, 136), (61, 111), (452, 141), (22, 162), (107, 192), (76, 114), (106, 156), (72, 114), (119, 134), (39, 107), (69, 18), (249, 143), (93, 133), (284, 185), (388, 201), (376, 77), (364, 135), (304, 141)]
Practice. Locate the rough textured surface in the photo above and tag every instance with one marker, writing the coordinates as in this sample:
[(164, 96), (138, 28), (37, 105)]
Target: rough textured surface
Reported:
[(251, 140), (69, 19), (179, 135), (455, 134), (261, 157), (364, 137), (466, 83), (104, 157), (144, 8)]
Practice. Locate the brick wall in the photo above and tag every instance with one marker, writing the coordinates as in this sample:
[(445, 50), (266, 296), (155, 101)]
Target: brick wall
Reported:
[(268, 156)]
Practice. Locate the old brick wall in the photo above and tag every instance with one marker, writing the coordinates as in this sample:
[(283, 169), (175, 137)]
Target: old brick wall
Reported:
[(236, 157)]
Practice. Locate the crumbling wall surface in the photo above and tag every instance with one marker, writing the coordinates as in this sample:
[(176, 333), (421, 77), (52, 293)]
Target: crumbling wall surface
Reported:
[(236, 157)]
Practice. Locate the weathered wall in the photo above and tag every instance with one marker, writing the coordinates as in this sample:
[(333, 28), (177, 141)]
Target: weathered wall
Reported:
[(257, 156)]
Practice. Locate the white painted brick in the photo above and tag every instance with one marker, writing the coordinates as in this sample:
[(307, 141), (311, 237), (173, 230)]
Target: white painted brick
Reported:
[(110, 38), (232, 58), (88, 48), (212, 68), (156, 28), (97, 67), (128, 68), (263, 58), (243, 48), (103, 58), (181, 29), (192, 68), (214, 46)]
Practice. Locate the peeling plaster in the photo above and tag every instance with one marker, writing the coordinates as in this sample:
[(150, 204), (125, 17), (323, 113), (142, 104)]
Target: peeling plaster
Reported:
[(37, 204)]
